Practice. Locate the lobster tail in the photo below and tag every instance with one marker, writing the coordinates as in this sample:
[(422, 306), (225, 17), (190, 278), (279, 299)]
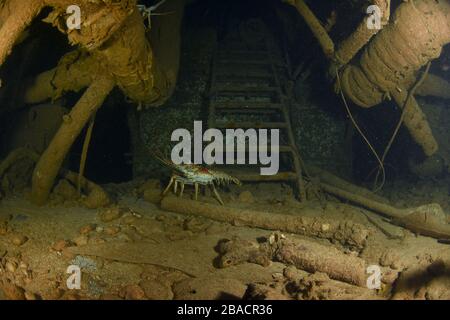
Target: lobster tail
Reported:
[(236, 181), (223, 179)]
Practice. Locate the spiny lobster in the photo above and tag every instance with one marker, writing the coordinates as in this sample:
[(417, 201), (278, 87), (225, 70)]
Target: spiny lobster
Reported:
[(192, 174)]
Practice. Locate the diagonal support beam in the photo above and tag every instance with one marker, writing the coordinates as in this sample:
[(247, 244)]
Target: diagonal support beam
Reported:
[(316, 27), (51, 160)]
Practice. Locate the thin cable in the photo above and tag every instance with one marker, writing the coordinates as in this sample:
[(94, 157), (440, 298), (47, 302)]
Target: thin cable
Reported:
[(87, 141), (358, 128), (400, 121)]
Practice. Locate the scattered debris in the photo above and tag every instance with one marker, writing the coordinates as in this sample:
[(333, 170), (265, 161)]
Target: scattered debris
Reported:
[(347, 233)]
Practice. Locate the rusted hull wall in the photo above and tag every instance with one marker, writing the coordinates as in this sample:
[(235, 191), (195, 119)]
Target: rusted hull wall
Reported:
[(329, 148)]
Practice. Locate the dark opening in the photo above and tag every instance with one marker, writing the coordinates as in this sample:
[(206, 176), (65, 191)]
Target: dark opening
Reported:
[(108, 158)]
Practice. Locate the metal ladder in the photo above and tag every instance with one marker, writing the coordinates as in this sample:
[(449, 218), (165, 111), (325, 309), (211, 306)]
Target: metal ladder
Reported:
[(245, 93)]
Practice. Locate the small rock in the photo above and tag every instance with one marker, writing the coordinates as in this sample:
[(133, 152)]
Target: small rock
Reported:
[(11, 266), (291, 273), (3, 228), (246, 197), (81, 240), (150, 184), (152, 196), (110, 214), (99, 229), (161, 217), (277, 276), (69, 255), (87, 228), (60, 245), (389, 276), (133, 292), (397, 264), (129, 220), (30, 296), (137, 215), (65, 189), (25, 272), (13, 292), (53, 294), (96, 240), (389, 258), (155, 290), (18, 239), (97, 198), (112, 230)]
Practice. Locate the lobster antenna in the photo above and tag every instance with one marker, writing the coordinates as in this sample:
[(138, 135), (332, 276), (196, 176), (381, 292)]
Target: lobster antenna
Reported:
[(159, 156), (156, 6)]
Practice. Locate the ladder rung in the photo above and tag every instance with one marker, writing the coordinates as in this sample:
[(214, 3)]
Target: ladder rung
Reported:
[(245, 82), (239, 46), (244, 57), (243, 73), (237, 62), (247, 53), (244, 88), (273, 96), (244, 61), (246, 105), (243, 78), (246, 111)]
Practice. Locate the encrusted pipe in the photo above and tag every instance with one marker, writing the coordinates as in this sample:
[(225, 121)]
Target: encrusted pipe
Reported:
[(50, 162)]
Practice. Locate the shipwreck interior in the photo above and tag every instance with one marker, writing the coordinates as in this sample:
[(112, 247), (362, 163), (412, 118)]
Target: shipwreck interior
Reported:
[(353, 98)]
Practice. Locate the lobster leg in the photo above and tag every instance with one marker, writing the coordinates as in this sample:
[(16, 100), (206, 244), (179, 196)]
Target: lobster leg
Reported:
[(175, 187), (181, 189), (216, 194), (168, 186), (196, 191)]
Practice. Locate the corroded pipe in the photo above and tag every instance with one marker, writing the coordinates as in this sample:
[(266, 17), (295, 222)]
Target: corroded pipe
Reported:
[(51, 160), (390, 62)]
